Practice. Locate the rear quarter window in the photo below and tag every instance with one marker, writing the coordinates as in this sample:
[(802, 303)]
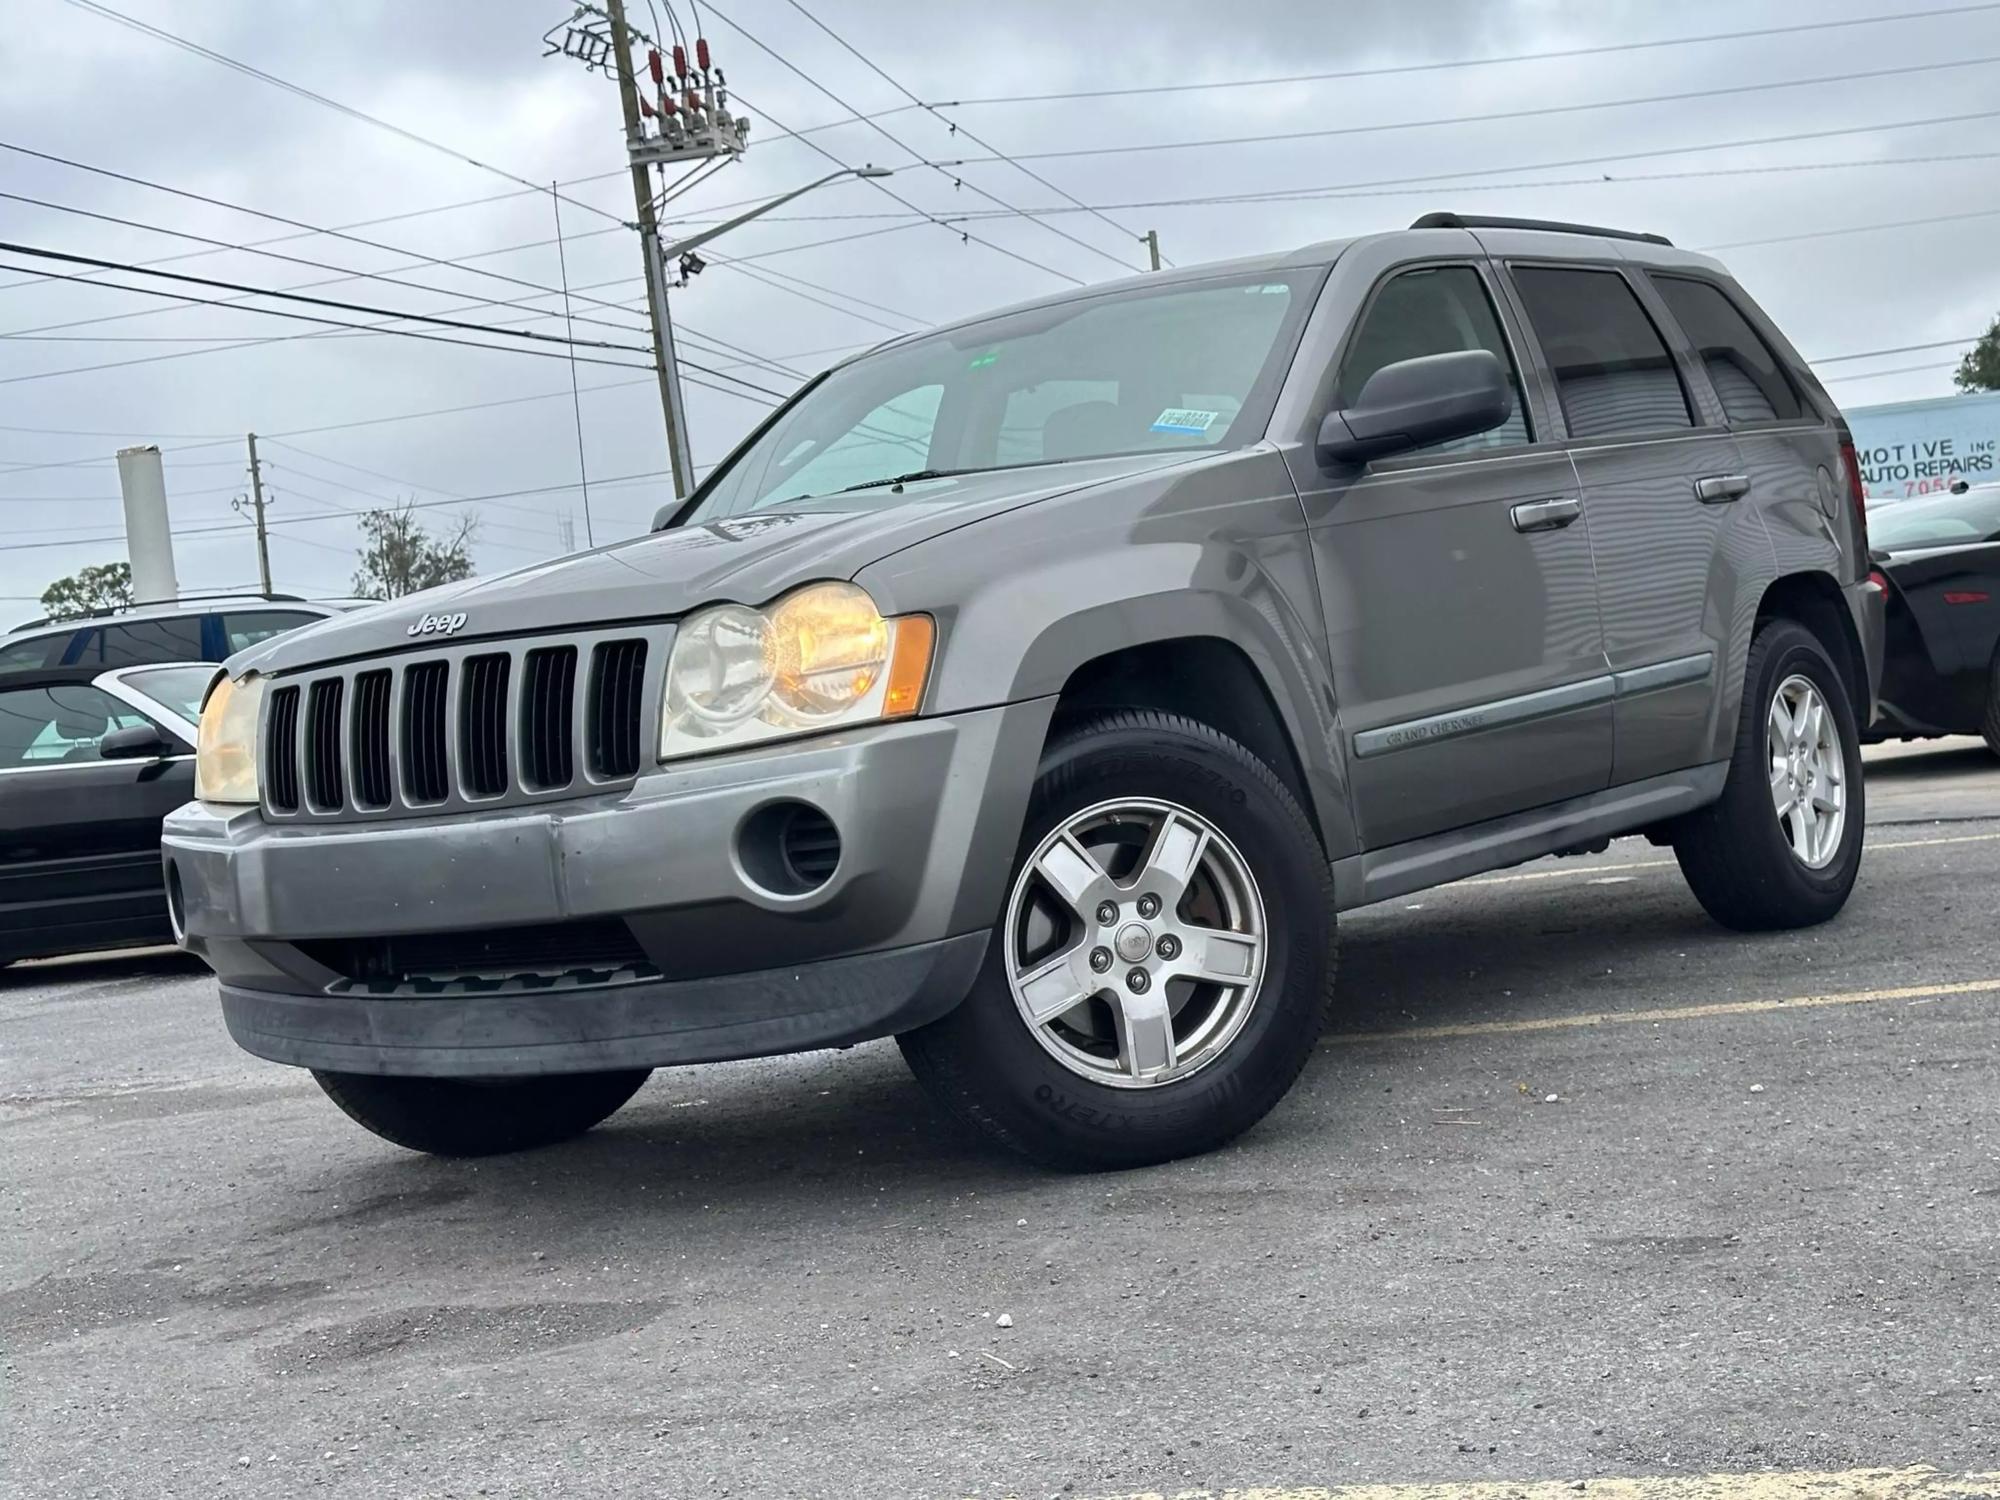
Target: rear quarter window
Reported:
[(1745, 371)]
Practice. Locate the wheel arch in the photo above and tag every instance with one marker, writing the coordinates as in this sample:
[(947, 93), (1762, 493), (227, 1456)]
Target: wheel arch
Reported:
[(1207, 678), (1814, 600)]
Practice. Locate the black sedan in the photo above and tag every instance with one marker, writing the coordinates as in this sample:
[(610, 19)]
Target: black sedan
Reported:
[(90, 762), (1941, 557)]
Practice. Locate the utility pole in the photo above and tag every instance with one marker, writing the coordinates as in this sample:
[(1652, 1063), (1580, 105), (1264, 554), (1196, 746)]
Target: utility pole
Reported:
[(692, 124), (257, 516), (1153, 246), (666, 367)]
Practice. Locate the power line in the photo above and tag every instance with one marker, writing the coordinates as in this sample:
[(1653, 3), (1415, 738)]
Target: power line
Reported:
[(347, 273), (957, 129), (391, 314), (1827, 234), (1492, 117), (876, 182), (258, 213), (1605, 49), (1302, 195), (94, 7), (902, 145), (1450, 181), (1835, 359), (106, 433), (1950, 364), (776, 280)]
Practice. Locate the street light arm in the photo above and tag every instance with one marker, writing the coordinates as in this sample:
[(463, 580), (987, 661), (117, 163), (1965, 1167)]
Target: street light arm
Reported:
[(668, 252)]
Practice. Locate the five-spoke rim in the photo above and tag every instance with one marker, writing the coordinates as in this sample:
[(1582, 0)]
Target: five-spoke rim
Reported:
[(1135, 942), (1808, 772)]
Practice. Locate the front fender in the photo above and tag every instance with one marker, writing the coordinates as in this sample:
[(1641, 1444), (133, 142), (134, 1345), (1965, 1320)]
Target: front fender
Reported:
[(1215, 549)]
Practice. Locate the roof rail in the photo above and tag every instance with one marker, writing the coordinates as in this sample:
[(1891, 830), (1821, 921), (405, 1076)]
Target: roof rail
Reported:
[(1552, 226), (112, 611)]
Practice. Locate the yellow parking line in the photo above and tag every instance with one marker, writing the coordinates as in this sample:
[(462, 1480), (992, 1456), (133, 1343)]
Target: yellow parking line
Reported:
[(1660, 864), (1918, 1483), (1668, 1013)]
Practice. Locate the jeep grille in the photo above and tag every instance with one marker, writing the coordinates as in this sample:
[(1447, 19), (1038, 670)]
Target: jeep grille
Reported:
[(479, 725)]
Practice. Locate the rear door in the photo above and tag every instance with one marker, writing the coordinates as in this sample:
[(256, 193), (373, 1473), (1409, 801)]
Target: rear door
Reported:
[(1460, 607), (1661, 480), (80, 835)]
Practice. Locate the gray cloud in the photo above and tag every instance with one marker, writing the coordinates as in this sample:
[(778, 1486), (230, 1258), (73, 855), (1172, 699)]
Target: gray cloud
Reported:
[(471, 76)]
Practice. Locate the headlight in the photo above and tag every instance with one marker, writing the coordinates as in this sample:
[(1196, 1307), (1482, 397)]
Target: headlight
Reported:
[(820, 658), (225, 764)]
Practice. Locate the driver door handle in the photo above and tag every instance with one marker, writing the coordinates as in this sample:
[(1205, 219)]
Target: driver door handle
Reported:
[(1715, 489), (1546, 515)]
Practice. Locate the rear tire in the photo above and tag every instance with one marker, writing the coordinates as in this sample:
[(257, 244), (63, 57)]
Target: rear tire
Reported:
[(479, 1117), (1084, 1088), (1740, 858)]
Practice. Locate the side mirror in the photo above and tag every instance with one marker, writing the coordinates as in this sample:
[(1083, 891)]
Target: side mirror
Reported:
[(140, 742), (1416, 402)]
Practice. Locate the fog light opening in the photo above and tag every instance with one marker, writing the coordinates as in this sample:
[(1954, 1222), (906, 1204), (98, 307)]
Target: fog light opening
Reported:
[(788, 848)]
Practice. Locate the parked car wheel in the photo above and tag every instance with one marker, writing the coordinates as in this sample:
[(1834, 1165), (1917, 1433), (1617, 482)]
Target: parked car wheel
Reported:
[(1782, 846), (1164, 964), (1989, 726), (480, 1117)]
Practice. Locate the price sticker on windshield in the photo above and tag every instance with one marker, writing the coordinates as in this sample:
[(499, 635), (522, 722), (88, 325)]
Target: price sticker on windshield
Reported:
[(1185, 419)]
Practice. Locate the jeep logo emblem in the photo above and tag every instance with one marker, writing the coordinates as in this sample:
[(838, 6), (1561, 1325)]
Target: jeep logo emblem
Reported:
[(438, 625)]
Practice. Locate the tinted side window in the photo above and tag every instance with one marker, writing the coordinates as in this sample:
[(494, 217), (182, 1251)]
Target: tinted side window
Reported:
[(38, 651), (54, 725), (1436, 310), (177, 638), (1746, 374), (250, 627), (1613, 373)]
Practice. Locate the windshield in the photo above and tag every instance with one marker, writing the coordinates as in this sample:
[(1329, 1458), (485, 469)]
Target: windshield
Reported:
[(1937, 522), (1152, 369), (178, 688)]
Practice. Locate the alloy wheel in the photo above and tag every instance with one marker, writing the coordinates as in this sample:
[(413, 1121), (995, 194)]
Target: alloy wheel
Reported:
[(1808, 772), (1135, 942)]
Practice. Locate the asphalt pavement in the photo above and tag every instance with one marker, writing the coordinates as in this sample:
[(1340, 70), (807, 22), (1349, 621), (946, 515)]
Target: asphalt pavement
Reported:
[(1579, 1188)]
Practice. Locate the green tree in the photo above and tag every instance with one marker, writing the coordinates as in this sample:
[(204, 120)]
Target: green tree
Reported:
[(105, 586), (1980, 369), (398, 556)]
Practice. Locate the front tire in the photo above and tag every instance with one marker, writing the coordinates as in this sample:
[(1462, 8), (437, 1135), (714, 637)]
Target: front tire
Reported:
[(1782, 845), (1164, 966), (479, 1117)]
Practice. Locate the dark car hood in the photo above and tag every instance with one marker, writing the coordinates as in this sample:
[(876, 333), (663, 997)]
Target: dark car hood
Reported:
[(748, 560)]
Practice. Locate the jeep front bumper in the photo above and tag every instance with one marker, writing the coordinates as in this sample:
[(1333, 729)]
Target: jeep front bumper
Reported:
[(629, 929)]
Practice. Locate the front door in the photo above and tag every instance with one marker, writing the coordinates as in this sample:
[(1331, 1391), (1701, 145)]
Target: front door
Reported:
[(1467, 658)]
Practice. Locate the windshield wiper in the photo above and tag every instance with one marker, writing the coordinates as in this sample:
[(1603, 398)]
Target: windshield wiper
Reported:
[(897, 481)]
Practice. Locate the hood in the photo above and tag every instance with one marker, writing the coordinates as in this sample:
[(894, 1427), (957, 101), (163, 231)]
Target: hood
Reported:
[(746, 560)]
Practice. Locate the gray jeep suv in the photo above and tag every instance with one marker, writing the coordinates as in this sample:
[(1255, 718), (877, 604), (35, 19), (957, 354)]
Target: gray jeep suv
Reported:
[(1036, 690)]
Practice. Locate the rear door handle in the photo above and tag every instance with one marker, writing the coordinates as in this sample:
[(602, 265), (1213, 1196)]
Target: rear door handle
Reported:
[(1546, 515), (1716, 489)]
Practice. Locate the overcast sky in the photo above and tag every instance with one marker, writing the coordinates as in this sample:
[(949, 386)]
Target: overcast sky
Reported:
[(80, 86)]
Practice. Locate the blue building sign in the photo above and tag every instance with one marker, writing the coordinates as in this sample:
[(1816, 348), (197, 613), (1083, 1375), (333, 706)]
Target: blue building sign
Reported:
[(1911, 448)]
